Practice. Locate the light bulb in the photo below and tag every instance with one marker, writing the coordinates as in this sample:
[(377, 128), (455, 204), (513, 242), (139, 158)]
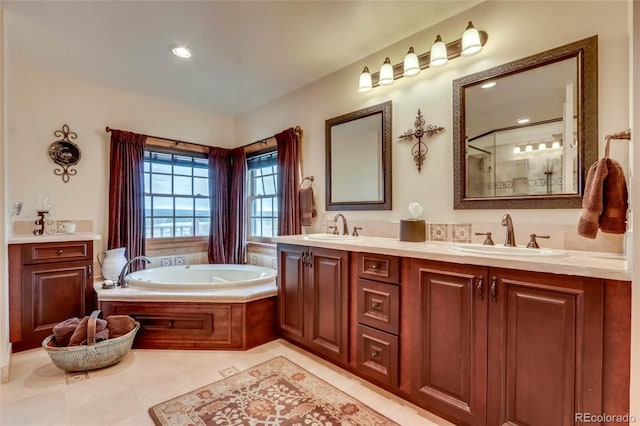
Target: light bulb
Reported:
[(438, 53), (555, 144), (411, 63), (470, 41), (181, 51), (528, 148), (542, 146), (365, 81), (489, 85), (516, 150), (523, 120), (386, 73)]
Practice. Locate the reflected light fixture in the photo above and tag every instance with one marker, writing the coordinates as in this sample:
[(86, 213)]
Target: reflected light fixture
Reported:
[(181, 51), (438, 53), (555, 145), (489, 85), (386, 72), (528, 148), (523, 120), (411, 63), (365, 81), (542, 146), (516, 149), (470, 41)]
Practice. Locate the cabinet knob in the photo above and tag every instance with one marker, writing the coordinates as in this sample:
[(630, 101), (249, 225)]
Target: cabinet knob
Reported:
[(375, 304), (171, 324), (60, 251), (480, 287), (494, 288), (375, 266), (375, 354)]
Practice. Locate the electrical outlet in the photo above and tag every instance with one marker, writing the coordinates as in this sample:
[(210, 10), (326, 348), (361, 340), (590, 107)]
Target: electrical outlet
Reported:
[(274, 263), (178, 260), (165, 261), (254, 259)]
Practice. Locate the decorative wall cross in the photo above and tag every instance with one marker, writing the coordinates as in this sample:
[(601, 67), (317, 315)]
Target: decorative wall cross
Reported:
[(420, 149)]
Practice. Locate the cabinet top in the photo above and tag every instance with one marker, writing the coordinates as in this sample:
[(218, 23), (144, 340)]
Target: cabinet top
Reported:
[(77, 236), (578, 263)]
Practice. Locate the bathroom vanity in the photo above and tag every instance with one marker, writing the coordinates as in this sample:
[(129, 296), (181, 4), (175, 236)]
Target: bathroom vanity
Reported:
[(50, 280), (480, 339)]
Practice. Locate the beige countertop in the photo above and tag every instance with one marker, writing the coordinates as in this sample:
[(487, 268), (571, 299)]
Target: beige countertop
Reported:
[(579, 263), (52, 238)]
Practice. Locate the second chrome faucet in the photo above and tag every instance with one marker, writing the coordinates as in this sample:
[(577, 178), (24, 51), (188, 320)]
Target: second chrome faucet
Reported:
[(509, 236), (345, 227)]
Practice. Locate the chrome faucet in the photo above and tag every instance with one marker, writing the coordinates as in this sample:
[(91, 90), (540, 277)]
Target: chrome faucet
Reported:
[(345, 227), (509, 237), (121, 281)]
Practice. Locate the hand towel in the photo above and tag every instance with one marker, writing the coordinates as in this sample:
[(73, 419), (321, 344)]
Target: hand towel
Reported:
[(307, 206), (592, 200), (63, 331), (119, 325), (613, 219), (79, 336)]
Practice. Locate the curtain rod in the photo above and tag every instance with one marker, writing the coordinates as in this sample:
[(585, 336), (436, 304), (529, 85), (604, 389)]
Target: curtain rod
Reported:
[(297, 130), (108, 130)]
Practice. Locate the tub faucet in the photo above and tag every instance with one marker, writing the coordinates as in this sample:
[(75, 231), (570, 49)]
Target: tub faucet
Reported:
[(345, 227), (509, 237), (121, 281)]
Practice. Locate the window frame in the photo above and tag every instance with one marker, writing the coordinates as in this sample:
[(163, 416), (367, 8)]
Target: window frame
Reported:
[(262, 240)]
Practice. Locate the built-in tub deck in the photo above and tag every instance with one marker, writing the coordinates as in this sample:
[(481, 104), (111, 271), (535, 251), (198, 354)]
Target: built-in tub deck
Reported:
[(197, 306)]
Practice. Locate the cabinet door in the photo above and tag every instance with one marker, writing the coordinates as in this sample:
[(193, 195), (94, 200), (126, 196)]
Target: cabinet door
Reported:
[(291, 278), (448, 309), (52, 293), (545, 348), (327, 298)]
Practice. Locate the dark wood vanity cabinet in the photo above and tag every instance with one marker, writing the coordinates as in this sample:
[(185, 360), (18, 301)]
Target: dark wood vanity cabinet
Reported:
[(48, 283), (496, 346), (312, 299)]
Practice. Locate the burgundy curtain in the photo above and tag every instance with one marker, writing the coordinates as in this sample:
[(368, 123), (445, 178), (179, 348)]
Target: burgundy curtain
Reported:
[(227, 172), (126, 193), (288, 178)]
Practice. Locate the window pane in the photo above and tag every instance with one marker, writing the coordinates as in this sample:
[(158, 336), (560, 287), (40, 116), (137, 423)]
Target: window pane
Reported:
[(147, 166), (161, 168), (267, 227), (257, 186), (202, 172), (147, 228), (147, 182), (184, 207), (160, 184), (184, 227), (147, 206), (269, 185), (162, 206), (256, 229), (202, 226), (162, 228), (201, 186), (202, 207), (181, 170), (182, 185)]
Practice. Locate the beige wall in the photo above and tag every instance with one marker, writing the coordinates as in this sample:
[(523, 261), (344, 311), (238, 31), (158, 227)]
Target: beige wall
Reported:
[(634, 149), (5, 348), (38, 104), (515, 29)]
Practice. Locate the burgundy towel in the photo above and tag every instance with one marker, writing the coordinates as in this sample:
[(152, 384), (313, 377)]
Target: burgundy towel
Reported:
[(307, 206), (63, 331), (119, 325), (79, 336)]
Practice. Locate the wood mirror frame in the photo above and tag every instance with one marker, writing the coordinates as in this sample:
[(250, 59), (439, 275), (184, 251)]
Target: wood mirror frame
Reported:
[(586, 53), (382, 146)]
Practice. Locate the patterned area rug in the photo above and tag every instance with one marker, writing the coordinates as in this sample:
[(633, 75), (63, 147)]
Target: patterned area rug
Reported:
[(276, 392)]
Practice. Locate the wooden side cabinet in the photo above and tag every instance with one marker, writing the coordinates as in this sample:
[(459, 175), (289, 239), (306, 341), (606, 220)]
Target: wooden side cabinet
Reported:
[(496, 346), (313, 299), (48, 283)]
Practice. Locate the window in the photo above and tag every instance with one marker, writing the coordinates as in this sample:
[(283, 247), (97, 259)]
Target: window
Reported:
[(262, 200), (176, 193)]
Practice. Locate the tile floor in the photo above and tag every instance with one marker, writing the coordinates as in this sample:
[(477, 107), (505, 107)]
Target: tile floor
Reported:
[(41, 394)]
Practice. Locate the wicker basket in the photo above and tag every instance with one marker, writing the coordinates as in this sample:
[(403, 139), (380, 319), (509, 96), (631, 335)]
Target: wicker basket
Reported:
[(93, 355)]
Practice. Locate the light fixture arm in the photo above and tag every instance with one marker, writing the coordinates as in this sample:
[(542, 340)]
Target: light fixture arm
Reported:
[(453, 51)]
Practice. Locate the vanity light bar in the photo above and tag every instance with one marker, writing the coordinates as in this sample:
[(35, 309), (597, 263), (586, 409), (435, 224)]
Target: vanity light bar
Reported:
[(454, 49)]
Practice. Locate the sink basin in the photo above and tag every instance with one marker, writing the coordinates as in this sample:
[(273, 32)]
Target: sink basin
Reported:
[(329, 237), (508, 251)]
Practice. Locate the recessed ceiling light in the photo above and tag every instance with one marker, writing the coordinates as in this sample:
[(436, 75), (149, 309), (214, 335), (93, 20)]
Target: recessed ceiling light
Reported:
[(180, 51), (523, 120), (489, 85)]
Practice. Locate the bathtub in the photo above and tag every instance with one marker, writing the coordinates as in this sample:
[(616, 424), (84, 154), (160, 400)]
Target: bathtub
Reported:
[(197, 306)]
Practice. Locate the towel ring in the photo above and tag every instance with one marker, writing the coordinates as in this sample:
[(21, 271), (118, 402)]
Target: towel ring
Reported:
[(309, 178)]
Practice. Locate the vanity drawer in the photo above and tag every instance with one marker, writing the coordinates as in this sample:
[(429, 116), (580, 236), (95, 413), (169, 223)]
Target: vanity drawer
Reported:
[(379, 267), (377, 355), (378, 305), (55, 252)]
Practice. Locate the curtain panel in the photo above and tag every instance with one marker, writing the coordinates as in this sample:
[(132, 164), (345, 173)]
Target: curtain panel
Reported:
[(126, 194), (227, 174), (288, 179)]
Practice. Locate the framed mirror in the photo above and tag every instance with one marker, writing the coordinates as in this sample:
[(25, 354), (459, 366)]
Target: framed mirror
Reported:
[(358, 159), (526, 132)]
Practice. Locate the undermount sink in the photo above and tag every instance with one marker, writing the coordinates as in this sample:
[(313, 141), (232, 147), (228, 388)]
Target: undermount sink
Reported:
[(329, 237), (507, 251)]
